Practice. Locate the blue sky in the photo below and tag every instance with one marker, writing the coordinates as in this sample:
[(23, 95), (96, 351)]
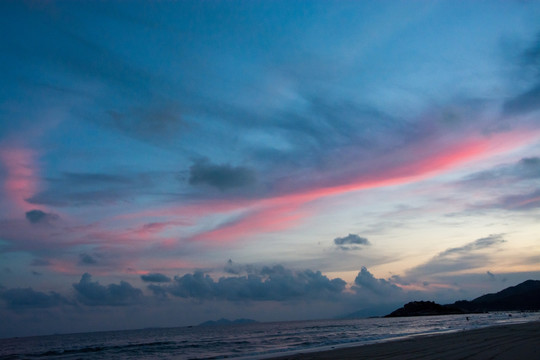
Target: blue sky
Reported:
[(166, 163)]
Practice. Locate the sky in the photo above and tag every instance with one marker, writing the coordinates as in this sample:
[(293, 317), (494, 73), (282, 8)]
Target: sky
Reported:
[(168, 163)]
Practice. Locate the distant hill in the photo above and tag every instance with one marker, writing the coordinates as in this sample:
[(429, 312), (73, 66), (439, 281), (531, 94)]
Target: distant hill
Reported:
[(222, 322), (424, 308), (525, 296)]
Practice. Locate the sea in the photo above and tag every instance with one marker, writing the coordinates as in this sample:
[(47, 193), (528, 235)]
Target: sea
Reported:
[(246, 341)]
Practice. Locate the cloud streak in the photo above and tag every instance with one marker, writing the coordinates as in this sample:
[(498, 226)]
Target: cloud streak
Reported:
[(469, 256)]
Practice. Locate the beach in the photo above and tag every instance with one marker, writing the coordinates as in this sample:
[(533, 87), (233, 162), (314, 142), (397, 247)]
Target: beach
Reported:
[(502, 342)]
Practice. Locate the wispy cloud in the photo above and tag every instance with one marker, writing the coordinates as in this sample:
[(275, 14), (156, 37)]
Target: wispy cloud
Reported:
[(469, 256)]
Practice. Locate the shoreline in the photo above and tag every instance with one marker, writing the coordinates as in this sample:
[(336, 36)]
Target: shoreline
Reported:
[(499, 342)]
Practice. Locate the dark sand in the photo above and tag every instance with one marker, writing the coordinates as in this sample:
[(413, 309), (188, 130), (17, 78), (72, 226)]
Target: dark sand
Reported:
[(504, 342)]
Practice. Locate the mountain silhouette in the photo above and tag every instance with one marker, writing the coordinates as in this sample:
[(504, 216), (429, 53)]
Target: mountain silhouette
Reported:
[(522, 297)]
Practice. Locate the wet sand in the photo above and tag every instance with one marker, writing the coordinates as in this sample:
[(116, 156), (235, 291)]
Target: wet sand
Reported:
[(504, 342)]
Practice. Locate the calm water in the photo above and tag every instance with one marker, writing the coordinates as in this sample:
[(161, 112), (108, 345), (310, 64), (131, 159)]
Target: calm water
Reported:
[(250, 341)]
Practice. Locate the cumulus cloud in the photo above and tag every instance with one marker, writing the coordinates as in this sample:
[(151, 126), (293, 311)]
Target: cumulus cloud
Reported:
[(222, 177), (274, 283), (155, 277), (38, 216), (350, 242), (27, 298), (236, 269), (93, 293), (468, 256), (366, 281)]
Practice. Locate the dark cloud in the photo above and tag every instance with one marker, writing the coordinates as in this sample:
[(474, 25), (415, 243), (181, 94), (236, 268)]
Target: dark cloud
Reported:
[(494, 277), (529, 100), (27, 298), (350, 242), (86, 259), (523, 103), (232, 268), (274, 283), (366, 281), (94, 294), (222, 177), (530, 167), (38, 216), (531, 56), (468, 256), (40, 262), (236, 269), (155, 277)]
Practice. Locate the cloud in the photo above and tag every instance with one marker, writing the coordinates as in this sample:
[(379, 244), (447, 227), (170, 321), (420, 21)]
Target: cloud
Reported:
[(274, 283), (93, 294), (350, 242), (479, 244), (86, 259), (526, 102), (154, 123), (40, 262), (494, 277), (222, 177), (38, 216), (468, 256), (366, 281), (235, 269), (155, 277), (509, 177), (75, 189), (529, 100), (525, 201), (524, 169), (27, 298)]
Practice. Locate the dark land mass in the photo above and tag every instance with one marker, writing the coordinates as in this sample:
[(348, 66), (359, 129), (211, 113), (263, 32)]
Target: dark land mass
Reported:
[(522, 297), (525, 297), (425, 308), (222, 322)]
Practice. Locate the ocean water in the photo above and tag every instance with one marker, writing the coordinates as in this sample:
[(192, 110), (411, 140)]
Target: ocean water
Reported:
[(249, 341)]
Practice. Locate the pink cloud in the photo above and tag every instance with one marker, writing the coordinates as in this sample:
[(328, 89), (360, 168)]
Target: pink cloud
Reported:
[(22, 179), (415, 163), (268, 219)]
